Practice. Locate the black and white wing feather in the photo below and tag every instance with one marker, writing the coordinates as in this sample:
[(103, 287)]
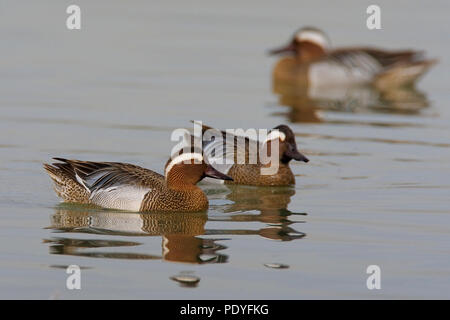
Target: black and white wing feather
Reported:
[(114, 185)]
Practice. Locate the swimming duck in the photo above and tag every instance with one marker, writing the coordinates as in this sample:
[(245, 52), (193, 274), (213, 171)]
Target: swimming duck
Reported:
[(247, 173), (313, 63), (128, 187)]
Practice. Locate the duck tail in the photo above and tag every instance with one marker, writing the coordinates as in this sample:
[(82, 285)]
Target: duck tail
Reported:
[(403, 75), (65, 183)]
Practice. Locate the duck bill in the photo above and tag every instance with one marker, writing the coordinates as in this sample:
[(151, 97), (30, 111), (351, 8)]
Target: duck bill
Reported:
[(211, 172), (286, 49), (294, 154)]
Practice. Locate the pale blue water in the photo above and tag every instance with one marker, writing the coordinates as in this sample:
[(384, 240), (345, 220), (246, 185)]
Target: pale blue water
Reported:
[(376, 190)]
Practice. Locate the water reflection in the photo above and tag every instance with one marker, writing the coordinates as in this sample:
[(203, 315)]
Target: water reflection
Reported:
[(73, 247), (268, 205), (181, 233), (307, 103)]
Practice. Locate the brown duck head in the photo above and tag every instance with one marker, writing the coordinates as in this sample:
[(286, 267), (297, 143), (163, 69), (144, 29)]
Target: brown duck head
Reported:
[(287, 145), (307, 44), (187, 169)]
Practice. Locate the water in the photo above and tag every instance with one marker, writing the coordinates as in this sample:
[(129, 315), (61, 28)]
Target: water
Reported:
[(376, 190)]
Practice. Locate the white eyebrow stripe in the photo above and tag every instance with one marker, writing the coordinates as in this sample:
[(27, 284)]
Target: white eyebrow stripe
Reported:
[(313, 37), (276, 134), (181, 158)]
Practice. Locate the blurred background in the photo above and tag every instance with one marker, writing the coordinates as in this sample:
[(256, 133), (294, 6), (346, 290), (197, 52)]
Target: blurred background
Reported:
[(375, 191)]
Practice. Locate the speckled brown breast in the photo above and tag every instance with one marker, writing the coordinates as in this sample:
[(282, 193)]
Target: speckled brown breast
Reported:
[(289, 70), (166, 199), (250, 174)]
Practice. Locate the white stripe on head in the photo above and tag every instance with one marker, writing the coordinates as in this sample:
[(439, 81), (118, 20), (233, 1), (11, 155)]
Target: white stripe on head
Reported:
[(188, 157), (313, 36), (276, 134)]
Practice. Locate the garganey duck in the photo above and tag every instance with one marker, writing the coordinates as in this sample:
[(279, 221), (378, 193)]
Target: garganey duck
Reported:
[(313, 63), (128, 187), (250, 173)]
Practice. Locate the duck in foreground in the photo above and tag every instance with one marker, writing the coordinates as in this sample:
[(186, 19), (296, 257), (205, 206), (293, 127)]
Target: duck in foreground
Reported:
[(128, 187), (251, 173), (312, 63)]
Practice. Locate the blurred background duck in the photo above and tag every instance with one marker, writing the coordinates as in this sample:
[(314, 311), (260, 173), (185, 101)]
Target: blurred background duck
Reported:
[(311, 62)]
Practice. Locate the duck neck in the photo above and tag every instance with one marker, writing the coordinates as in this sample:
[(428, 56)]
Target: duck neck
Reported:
[(181, 186), (309, 52), (179, 183)]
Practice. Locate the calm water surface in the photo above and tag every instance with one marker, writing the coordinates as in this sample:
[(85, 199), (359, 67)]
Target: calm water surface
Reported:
[(376, 190)]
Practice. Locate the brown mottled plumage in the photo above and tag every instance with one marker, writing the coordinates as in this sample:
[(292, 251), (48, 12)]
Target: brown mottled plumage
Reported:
[(65, 183), (247, 173), (128, 187), (250, 174), (313, 63)]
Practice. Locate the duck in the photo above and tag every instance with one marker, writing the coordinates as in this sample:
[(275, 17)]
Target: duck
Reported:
[(249, 173), (311, 62), (123, 186)]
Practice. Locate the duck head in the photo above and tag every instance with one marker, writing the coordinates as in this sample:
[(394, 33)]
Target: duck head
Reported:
[(307, 44), (188, 169), (286, 143)]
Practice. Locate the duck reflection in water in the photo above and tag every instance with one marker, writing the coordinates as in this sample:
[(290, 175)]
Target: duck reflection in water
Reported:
[(306, 104), (179, 232), (266, 205)]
